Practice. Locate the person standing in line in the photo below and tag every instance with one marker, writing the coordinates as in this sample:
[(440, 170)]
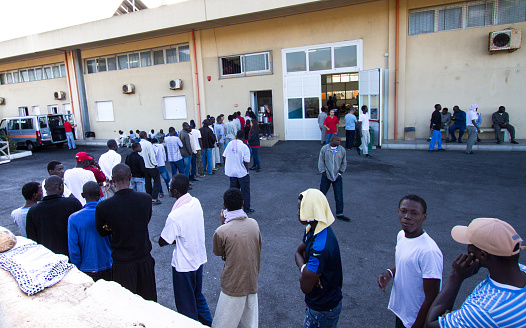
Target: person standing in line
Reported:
[(186, 149), (211, 126), (332, 162), (472, 127), (501, 120), (152, 172), (321, 119), (418, 266), (459, 122), (331, 125), (76, 177), (219, 131), (136, 164), (237, 122), (185, 229), (125, 217), (47, 221), (107, 162), (160, 155), (499, 300), (254, 144), (366, 135), (56, 168), (32, 192), (88, 251), (237, 159), (350, 127), (268, 115), (436, 125), (68, 127), (173, 151), (197, 159), (238, 242), (97, 172), (230, 130), (445, 117), (319, 261), (208, 141)]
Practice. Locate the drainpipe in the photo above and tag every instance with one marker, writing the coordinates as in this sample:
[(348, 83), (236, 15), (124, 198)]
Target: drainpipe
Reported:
[(196, 81), (69, 80), (397, 31)]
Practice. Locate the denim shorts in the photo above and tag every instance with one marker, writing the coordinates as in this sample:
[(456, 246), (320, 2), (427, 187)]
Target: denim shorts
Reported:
[(322, 319)]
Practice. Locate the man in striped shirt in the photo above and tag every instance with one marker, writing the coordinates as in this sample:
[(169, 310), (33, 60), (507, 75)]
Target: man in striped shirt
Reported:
[(499, 300)]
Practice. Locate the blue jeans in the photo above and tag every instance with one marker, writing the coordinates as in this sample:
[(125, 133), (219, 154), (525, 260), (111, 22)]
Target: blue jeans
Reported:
[(177, 167), (255, 155), (337, 186), (208, 160), (322, 319), (71, 140), (187, 162), (461, 130), (329, 135), (244, 185), (137, 184), (163, 171), (436, 136), (189, 298)]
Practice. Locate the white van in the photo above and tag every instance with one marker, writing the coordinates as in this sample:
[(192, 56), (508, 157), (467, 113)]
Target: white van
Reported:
[(35, 130)]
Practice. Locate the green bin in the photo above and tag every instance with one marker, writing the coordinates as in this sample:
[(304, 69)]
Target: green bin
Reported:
[(371, 132)]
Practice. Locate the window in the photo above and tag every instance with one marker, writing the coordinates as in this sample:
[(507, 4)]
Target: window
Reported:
[(295, 108), (133, 60), (42, 122), (345, 56), (47, 73), (26, 123), (31, 73), (296, 61), (158, 57), (24, 77), (466, 14), (174, 108), (123, 61), (38, 74), (91, 66), (184, 53), (101, 65), (146, 58), (3, 79), (9, 77), (112, 63), (56, 71), (171, 55), (342, 56), (62, 70), (23, 111), (246, 64), (13, 125), (16, 78), (320, 59), (52, 109), (104, 111)]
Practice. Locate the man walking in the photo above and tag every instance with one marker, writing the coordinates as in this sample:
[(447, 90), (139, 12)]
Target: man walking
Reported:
[(90, 252), (76, 177), (208, 141), (366, 135), (125, 217), (238, 242), (436, 125), (332, 162), (186, 149), (501, 120), (197, 158), (318, 259), (68, 128), (230, 130), (321, 119), (152, 172), (459, 123), (173, 145), (418, 266), (185, 229), (219, 131), (237, 159), (499, 300), (331, 125), (160, 155), (472, 127), (47, 221), (107, 162)]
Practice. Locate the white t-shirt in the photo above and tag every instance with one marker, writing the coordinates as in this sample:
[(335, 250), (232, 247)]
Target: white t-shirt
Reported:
[(66, 193), (107, 161), (197, 135), (234, 166), (75, 178), (19, 216), (160, 154), (186, 226), (365, 120), (470, 117), (416, 259)]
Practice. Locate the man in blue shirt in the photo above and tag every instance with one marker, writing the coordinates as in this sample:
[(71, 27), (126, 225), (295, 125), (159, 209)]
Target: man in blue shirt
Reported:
[(350, 121), (459, 119), (319, 261), (90, 252)]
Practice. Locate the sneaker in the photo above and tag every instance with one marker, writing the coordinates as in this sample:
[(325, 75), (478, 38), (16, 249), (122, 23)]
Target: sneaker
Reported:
[(460, 141), (367, 155), (343, 218), (514, 142), (156, 202), (258, 170), (498, 142), (161, 195), (441, 149), (253, 168), (469, 153), (214, 169), (251, 211)]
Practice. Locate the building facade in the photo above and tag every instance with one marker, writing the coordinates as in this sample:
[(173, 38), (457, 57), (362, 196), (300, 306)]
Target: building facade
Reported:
[(159, 67)]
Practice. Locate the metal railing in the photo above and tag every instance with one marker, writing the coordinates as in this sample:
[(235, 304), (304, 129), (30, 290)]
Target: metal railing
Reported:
[(5, 156)]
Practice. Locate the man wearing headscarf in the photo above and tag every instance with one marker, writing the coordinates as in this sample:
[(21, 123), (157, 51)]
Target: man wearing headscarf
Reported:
[(319, 261), (472, 127)]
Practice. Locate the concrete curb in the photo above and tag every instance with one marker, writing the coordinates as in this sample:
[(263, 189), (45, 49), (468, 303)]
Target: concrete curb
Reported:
[(424, 145)]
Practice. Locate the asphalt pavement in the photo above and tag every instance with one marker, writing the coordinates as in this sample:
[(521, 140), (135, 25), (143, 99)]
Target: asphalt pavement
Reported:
[(456, 186)]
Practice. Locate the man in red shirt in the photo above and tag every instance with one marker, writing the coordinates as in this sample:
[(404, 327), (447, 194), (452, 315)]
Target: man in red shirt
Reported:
[(69, 134), (331, 124)]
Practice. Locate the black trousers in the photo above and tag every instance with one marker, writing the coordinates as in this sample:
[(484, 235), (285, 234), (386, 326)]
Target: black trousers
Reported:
[(137, 276), (105, 275), (156, 176), (243, 184)]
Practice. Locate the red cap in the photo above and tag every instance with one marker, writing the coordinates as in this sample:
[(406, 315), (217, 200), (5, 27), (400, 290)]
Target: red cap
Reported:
[(82, 156)]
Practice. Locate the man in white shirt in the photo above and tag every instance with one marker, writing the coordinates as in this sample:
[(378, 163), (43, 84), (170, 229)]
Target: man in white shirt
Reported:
[(107, 161), (230, 130), (32, 192), (365, 116), (55, 168), (160, 154), (418, 266), (237, 158), (185, 229), (472, 127), (219, 131), (152, 172), (197, 158), (173, 145), (76, 177)]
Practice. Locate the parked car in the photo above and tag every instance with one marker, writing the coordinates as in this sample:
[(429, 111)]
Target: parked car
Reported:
[(35, 130)]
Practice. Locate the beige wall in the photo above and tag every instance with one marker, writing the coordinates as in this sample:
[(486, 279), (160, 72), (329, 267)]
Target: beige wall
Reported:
[(455, 68)]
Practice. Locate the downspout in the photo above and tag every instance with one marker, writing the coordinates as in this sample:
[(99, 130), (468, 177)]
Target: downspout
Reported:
[(196, 81), (69, 81), (397, 41)]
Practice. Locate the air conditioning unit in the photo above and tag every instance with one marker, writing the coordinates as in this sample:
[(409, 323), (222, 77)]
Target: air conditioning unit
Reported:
[(128, 88), (60, 95), (508, 39), (176, 84), (2, 101)]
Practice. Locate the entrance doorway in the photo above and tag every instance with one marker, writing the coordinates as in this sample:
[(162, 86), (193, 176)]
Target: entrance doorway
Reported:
[(258, 101), (342, 90)]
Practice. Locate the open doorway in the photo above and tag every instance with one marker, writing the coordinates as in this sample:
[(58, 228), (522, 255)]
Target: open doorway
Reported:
[(340, 91), (259, 100)]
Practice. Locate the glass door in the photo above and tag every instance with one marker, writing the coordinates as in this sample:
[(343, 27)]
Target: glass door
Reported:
[(369, 94), (303, 102)]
